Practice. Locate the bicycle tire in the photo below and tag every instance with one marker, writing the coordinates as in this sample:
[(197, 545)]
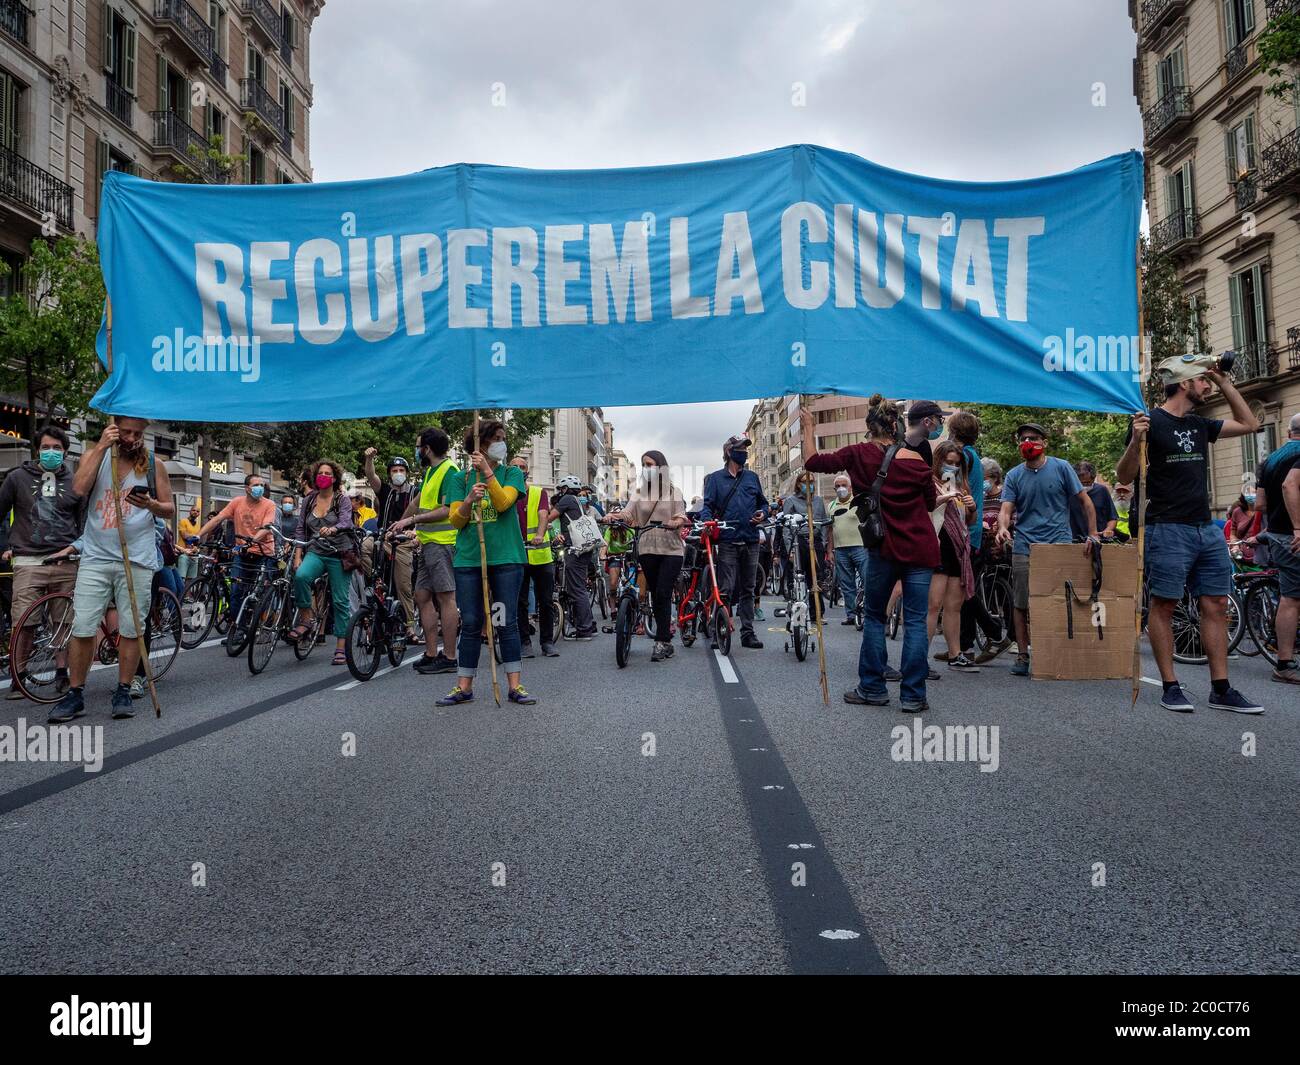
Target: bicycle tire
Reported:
[(361, 647), (1185, 625), (799, 637), (51, 638), (1261, 614), (320, 596), (686, 625), (163, 632), (624, 626), (1236, 621), (561, 619), (722, 629), (397, 640), (239, 631), (197, 614), (266, 632)]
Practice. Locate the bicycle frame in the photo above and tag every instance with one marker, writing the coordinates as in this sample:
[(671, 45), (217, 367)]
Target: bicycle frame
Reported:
[(708, 533)]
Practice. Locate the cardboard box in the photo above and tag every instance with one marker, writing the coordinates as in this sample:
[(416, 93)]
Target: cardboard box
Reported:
[(1096, 651)]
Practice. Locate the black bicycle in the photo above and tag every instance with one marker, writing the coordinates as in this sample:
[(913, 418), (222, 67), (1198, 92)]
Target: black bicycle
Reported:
[(205, 599), (379, 626), (273, 619), (632, 611), (242, 620)]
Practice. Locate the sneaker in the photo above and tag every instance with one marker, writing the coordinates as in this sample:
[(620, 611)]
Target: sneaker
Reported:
[(441, 664), (526, 650), (751, 641), (914, 707), (758, 614), (584, 637), (122, 702), (940, 656), (1174, 699), (779, 612), (850, 620), (857, 697), (658, 654), (455, 697), (423, 660), (1020, 668), (992, 653), (549, 651), (668, 649), (930, 674), (137, 687), (518, 695), (70, 706), (1287, 672), (893, 676), (1236, 702), (964, 664)]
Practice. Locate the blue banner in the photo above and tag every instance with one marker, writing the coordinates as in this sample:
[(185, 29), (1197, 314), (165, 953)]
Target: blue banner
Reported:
[(796, 270)]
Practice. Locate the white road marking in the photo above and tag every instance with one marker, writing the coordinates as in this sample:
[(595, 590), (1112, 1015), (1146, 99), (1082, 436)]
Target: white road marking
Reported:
[(1148, 680), (758, 748), (728, 670), (353, 683), (774, 787), (800, 846), (7, 683), (839, 933)]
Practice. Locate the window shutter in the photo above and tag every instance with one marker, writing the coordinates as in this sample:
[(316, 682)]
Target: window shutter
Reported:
[(128, 76), (1173, 193), (161, 70), (186, 109), (1247, 17), (1248, 133), (1162, 78), (1234, 303), (1189, 200), (1230, 23), (1230, 153), (101, 168), (8, 92), (109, 55), (1261, 325), (1179, 70)]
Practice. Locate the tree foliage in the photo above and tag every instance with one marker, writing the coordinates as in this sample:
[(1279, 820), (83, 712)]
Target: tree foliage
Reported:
[(1278, 46)]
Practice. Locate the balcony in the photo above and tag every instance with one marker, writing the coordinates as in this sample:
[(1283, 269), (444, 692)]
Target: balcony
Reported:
[(24, 183), (1237, 60), (1280, 162), (1277, 8), (1292, 348), (1157, 14), (264, 107), (286, 48), (1173, 111), (263, 16), (1246, 191), (219, 67), (172, 133), (1255, 362), (13, 20), (1181, 231), (119, 102), (190, 29)]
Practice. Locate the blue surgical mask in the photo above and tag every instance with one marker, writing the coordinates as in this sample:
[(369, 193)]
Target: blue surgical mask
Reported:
[(1250, 499), (287, 507), (583, 500), (257, 491), (51, 458), (936, 432), (950, 471)]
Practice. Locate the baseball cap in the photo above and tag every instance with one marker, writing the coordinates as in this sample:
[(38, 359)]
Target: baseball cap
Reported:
[(926, 408), (740, 440), (1031, 425)]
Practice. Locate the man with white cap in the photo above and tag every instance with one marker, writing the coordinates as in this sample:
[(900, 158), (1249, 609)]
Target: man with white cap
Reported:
[(1185, 550)]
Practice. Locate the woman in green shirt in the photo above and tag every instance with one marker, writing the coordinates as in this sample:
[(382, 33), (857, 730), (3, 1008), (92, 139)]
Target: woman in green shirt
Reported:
[(490, 489)]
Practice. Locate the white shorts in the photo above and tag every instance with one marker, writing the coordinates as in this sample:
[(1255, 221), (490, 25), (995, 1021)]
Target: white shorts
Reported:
[(103, 584)]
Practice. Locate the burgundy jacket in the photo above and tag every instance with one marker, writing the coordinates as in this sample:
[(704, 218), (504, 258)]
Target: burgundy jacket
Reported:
[(906, 498)]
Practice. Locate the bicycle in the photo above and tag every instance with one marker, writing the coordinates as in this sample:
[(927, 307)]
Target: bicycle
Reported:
[(797, 611), (50, 620), (379, 625), (696, 610), (631, 611), (241, 624), (994, 593), (205, 599), (273, 620), (1262, 601)]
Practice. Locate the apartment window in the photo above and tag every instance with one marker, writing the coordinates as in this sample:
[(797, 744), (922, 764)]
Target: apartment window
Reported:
[(11, 280), (288, 27), (1257, 447), (1246, 297), (11, 112), (214, 122), (286, 102), (1196, 322), (109, 158), (256, 64), (119, 49), (1179, 192), (1239, 20), (1240, 148), (217, 20), (283, 178), (173, 89), (1171, 73), (256, 165), (165, 446)]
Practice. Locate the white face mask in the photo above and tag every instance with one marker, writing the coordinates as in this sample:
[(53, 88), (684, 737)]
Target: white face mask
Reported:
[(399, 479), (843, 493), (497, 452)]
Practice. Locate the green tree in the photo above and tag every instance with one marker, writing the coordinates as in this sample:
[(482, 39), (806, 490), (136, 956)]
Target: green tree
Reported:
[(1278, 47), (210, 163), (209, 437), (48, 327)]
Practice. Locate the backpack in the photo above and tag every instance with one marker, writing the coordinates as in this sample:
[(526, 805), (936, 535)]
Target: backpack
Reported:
[(871, 524)]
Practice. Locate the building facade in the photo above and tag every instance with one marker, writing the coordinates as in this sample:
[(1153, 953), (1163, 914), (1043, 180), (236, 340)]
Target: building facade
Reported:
[(1223, 196), (574, 444), (150, 87)]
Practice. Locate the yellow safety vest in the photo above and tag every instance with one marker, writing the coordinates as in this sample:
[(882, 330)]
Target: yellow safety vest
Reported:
[(537, 556), (442, 532)]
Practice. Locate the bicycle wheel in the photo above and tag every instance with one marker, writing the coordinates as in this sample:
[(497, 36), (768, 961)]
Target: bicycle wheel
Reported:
[(1186, 625), (799, 638), (995, 593), (562, 630), (397, 635), (197, 613), (722, 629), (599, 599), (49, 622), (321, 608), (1261, 616), (237, 635), (362, 648), (686, 624), (266, 631), (624, 626), (162, 632), (220, 604), (1236, 620)]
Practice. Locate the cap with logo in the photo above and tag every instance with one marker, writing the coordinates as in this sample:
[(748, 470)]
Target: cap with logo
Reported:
[(926, 408), (736, 441)]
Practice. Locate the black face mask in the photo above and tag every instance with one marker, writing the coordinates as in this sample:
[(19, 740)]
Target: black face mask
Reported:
[(425, 460), (740, 458)]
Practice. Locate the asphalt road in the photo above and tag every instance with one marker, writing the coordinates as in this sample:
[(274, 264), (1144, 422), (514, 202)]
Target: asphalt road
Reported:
[(686, 816)]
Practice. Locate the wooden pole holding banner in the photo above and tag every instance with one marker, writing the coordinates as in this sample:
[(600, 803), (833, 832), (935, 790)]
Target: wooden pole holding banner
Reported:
[(121, 532), (487, 595), (1135, 513), (809, 479)]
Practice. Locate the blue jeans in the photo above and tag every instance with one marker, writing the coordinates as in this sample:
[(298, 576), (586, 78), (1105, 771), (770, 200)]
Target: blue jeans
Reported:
[(850, 565), (244, 576), (504, 583), (1194, 557), (881, 575)]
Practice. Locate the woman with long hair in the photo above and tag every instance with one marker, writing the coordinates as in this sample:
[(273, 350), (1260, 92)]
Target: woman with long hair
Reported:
[(660, 550), (325, 520), (954, 578)]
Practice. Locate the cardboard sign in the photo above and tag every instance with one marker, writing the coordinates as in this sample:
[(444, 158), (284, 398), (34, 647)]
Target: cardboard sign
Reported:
[(1073, 637)]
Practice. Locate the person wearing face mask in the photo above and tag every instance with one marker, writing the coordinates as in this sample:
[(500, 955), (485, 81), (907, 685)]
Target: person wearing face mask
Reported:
[(846, 539), (1243, 526), (924, 426), (1037, 495), (797, 503), (47, 517), (248, 513), (735, 495), (392, 500), (568, 506), (325, 520), (1126, 521), (187, 565), (288, 513), (534, 510), (1107, 516)]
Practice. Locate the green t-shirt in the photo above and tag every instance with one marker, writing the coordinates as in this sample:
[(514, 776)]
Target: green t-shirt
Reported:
[(501, 535)]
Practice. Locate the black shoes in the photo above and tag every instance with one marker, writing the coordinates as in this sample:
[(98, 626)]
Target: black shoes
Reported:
[(751, 641)]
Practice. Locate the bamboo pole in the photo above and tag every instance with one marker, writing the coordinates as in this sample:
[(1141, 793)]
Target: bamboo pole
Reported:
[(817, 596), (487, 595), (121, 533), (1135, 514)]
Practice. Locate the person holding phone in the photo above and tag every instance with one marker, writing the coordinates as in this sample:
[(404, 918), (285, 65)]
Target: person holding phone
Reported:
[(101, 576)]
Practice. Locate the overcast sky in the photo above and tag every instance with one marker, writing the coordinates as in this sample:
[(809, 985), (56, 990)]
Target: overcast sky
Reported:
[(969, 89)]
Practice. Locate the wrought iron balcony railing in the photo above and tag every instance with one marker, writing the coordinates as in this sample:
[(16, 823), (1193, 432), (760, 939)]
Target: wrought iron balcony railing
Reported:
[(265, 106), (1155, 12), (1292, 348), (1274, 8), (1246, 191), (1178, 227), (1168, 111), (1237, 60), (23, 182), (170, 130), (1255, 361), (266, 18), (1281, 161), (191, 27), (119, 102), (14, 15), (219, 67)]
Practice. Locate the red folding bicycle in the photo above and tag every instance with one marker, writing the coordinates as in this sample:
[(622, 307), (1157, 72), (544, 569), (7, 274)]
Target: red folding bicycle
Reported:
[(698, 610)]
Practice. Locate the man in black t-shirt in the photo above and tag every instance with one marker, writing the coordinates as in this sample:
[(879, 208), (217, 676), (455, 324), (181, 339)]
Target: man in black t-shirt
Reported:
[(1185, 550), (1278, 495)]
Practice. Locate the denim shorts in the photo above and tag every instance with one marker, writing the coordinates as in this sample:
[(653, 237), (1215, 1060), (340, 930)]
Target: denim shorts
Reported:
[(1194, 557), (1288, 564)]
